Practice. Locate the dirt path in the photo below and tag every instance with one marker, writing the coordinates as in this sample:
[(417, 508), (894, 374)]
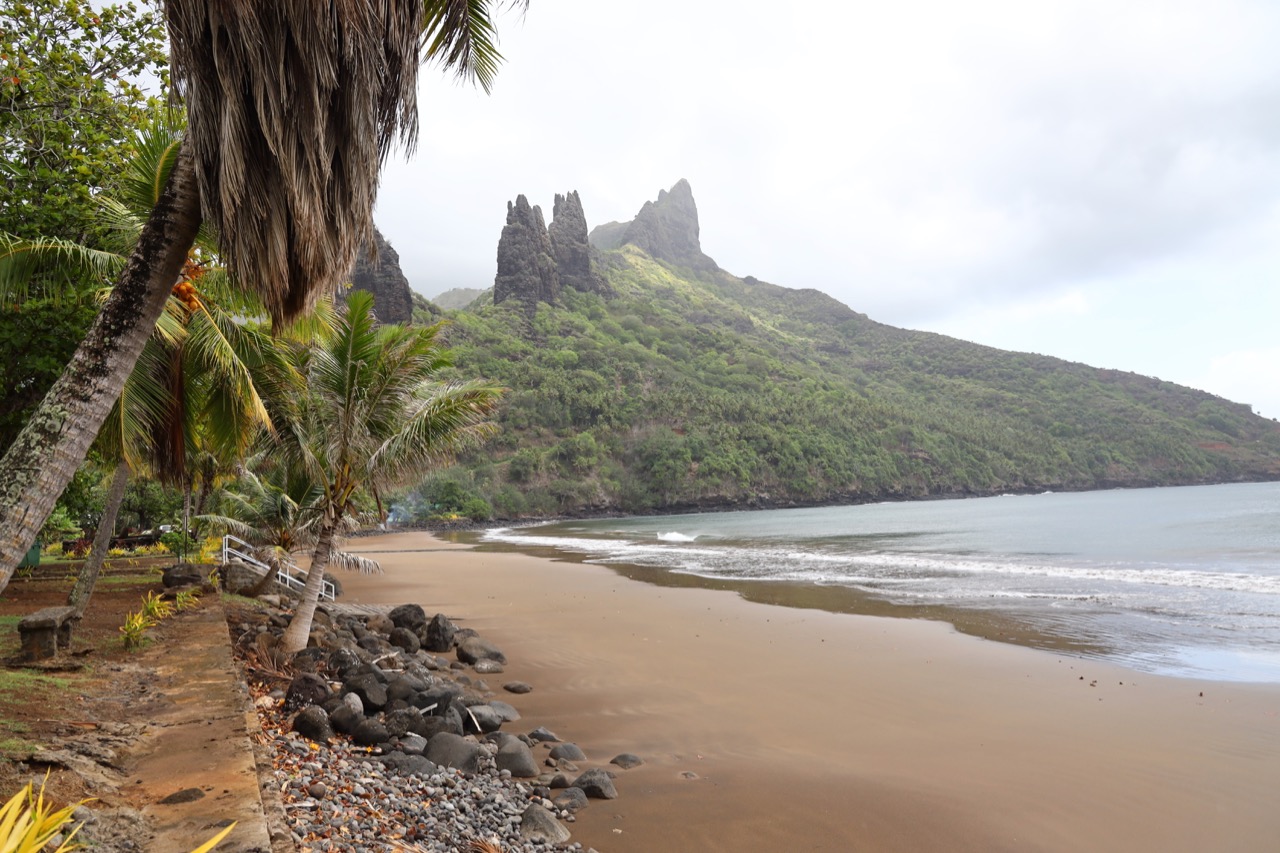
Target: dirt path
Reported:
[(161, 738)]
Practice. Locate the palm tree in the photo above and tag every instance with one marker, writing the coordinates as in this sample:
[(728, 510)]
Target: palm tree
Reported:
[(375, 416), (191, 392), (291, 114)]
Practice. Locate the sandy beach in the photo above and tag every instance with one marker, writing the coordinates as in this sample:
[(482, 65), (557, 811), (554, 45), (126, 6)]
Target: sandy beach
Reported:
[(774, 728)]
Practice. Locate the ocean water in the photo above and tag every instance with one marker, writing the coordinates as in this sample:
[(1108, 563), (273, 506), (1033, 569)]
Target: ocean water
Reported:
[(1182, 581)]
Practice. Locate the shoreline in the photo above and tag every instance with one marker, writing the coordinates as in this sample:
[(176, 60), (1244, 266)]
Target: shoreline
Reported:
[(805, 729), (765, 504)]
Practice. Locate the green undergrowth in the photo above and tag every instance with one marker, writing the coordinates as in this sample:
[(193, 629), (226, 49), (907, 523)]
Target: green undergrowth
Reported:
[(691, 389)]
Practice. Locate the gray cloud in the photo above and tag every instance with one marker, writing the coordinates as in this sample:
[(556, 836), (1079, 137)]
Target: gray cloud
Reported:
[(922, 161)]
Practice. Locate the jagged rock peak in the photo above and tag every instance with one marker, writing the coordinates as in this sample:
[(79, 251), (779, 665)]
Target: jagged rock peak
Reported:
[(377, 270), (526, 267), (570, 247), (666, 229)]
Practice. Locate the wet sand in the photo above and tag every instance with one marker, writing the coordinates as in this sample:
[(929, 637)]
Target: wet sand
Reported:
[(809, 730)]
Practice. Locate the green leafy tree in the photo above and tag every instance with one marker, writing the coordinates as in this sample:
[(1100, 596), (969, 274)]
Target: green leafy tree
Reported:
[(374, 416), (289, 192), (71, 89)]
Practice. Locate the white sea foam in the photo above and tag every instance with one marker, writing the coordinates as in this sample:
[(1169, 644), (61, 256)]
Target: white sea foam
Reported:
[(675, 537)]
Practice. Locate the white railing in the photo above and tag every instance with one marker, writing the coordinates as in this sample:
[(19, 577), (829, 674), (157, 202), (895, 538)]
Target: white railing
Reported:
[(286, 575)]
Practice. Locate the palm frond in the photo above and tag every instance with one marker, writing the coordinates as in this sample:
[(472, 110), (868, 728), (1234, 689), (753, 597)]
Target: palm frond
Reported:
[(460, 35), (62, 270), (155, 152), (354, 563), (292, 111)]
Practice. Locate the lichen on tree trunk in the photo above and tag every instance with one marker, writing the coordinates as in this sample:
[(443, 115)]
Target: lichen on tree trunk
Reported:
[(44, 457)]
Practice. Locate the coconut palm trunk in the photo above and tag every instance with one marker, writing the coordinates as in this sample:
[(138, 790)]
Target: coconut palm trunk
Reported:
[(88, 577), (44, 457), (299, 630)]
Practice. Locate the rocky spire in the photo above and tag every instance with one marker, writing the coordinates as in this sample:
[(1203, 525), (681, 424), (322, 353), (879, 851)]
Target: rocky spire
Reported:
[(526, 268), (666, 229), (392, 298), (569, 245)]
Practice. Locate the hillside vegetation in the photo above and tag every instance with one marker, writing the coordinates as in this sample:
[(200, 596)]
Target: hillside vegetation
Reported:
[(644, 378), (697, 389)]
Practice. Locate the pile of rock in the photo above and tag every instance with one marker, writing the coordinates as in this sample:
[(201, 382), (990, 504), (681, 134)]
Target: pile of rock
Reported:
[(378, 723)]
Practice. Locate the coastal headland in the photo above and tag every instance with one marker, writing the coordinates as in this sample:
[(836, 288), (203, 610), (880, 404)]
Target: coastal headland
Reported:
[(773, 728)]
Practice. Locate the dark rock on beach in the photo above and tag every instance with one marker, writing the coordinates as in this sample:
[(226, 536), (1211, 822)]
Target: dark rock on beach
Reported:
[(540, 826), (439, 634), (451, 750), (596, 784), (570, 799), (626, 761), (391, 737), (474, 649), (568, 751), (307, 689), (313, 724)]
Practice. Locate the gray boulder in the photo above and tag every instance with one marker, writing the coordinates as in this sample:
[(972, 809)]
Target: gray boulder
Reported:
[(403, 721), (484, 717), (307, 689), (370, 732), (596, 784), (438, 635), (571, 799), (626, 760), (372, 692), (344, 719), (541, 827), (313, 723), (508, 713), (451, 750), (474, 649), (343, 660), (409, 616), (409, 765), (412, 744), (515, 756), (405, 639), (568, 751), (184, 574)]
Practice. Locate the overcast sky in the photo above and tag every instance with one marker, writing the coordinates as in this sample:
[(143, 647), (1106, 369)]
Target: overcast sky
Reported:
[(1098, 181)]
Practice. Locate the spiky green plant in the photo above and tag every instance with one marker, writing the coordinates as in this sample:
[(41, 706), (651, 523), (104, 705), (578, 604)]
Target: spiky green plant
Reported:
[(134, 629), (156, 608), (28, 823)]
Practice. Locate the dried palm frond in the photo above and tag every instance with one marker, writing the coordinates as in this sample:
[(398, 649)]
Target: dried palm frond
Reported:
[(293, 106)]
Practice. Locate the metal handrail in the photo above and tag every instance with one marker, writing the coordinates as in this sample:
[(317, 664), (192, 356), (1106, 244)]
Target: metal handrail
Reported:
[(287, 575)]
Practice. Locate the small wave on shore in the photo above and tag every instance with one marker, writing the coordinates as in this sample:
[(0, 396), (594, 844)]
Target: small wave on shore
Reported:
[(673, 536)]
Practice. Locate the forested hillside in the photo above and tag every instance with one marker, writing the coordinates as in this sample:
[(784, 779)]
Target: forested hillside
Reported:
[(677, 385)]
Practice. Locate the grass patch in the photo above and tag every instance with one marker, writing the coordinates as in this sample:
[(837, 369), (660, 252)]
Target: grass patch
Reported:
[(16, 747), (15, 682), (131, 579), (232, 598)]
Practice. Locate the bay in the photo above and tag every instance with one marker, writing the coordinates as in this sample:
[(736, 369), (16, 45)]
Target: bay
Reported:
[(1181, 581)]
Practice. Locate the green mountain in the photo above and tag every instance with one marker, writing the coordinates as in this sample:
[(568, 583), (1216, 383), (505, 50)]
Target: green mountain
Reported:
[(655, 381)]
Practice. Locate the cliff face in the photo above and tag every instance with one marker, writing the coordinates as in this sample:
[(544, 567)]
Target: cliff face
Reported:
[(392, 298), (526, 266), (570, 247), (666, 229)]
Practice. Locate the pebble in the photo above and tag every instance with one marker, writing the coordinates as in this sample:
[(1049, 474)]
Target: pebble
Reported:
[(336, 797)]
